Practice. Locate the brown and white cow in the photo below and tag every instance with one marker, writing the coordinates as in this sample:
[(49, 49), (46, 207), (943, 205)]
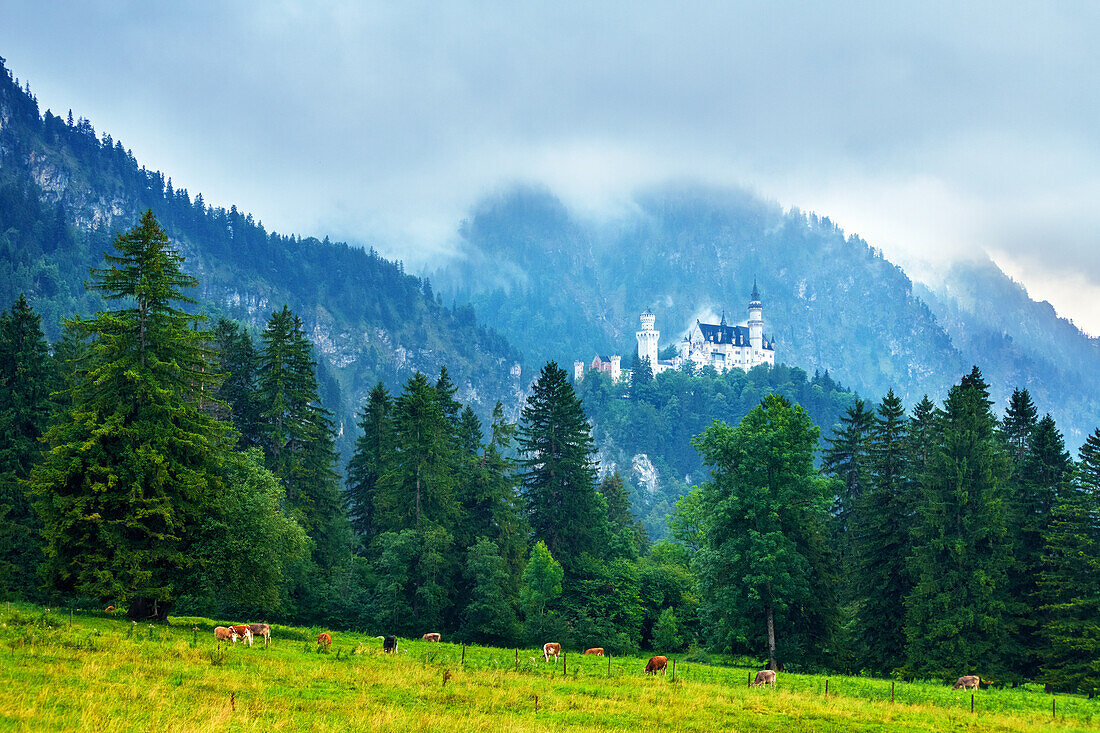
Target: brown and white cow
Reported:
[(967, 682), (764, 677), (221, 633), (656, 664), (597, 651), (324, 640), (244, 632), (434, 636), (551, 647), (263, 630)]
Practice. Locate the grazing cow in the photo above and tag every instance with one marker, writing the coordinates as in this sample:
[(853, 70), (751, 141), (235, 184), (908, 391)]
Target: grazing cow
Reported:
[(764, 677), (324, 640), (243, 631), (221, 633), (551, 647), (434, 636), (389, 644), (968, 682), (598, 651), (263, 630), (656, 664)]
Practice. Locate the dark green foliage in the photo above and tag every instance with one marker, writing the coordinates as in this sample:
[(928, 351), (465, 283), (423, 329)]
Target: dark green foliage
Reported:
[(847, 458), (297, 435), (1019, 421), (236, 359), (27, 377), (1041, 479), (489, 616), (762, 568), (666, 632), (628, 536), (417, 487), (881, 543), (247, 545), (132, 464), (1070, 582), (559, 472), (373, 448), (956, 620)]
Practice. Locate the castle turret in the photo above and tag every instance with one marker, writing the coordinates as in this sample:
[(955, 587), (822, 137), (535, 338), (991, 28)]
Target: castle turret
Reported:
[(756, 320), (647, 340)]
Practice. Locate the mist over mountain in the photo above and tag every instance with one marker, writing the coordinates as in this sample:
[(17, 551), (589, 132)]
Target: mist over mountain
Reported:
[(563, 287), (65, 192)]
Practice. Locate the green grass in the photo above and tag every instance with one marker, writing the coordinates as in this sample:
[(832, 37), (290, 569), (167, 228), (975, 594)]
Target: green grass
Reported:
[(105, 674)]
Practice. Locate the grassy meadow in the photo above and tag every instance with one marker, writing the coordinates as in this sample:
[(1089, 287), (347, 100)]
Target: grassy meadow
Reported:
[(103, 673)]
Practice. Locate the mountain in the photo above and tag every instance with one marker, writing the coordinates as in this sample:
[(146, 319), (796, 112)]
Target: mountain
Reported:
[(64, 193), (564, 287)]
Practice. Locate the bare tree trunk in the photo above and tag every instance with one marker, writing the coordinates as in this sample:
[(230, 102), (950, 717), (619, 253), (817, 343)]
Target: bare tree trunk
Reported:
[(771, 640)]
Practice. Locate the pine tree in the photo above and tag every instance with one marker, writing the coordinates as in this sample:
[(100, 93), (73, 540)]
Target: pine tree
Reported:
[(373, 449), (847, 458), (559, 471), (1045, 471), (298, 435), (417, 488), (765, 508), (1019, 421), (628, 536), (130, 467), (881, 544), (1070, 582), (27, 377), (236, 358), (956, 615)]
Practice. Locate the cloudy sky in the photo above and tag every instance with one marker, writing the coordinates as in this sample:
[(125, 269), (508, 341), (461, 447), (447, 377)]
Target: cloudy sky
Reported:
[(934, 131)]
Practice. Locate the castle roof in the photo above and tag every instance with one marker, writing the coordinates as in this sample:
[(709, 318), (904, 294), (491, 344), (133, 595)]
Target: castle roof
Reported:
[(723, 334)]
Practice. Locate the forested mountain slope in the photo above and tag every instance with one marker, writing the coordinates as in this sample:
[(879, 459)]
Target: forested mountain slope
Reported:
[(64, 192), (566, 288)]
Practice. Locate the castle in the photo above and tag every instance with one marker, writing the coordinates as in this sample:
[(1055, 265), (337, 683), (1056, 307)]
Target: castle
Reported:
[(721, 346)]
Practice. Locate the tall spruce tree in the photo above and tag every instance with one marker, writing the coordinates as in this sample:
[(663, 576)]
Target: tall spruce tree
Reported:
[(882, 543), (130, 467), (765, 508), (1070, 582), (956, 616), (417, 488), (372, 451), (1040, 481), (847, 458), (237, 360), (27, 377), (298, 435), (559, 469), (1020, 420)]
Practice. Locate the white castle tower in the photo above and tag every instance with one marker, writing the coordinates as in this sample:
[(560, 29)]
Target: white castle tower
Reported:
[(647, 340), (756, 320)]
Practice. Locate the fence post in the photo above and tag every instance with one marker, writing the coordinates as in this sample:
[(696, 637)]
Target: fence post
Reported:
[(673, 670), (892, 692), (564, 663), (517, 659), (826, 686), (971, 702), (464, 654), (750, 679), (1053, 707), (608, 665), (536, 703)]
